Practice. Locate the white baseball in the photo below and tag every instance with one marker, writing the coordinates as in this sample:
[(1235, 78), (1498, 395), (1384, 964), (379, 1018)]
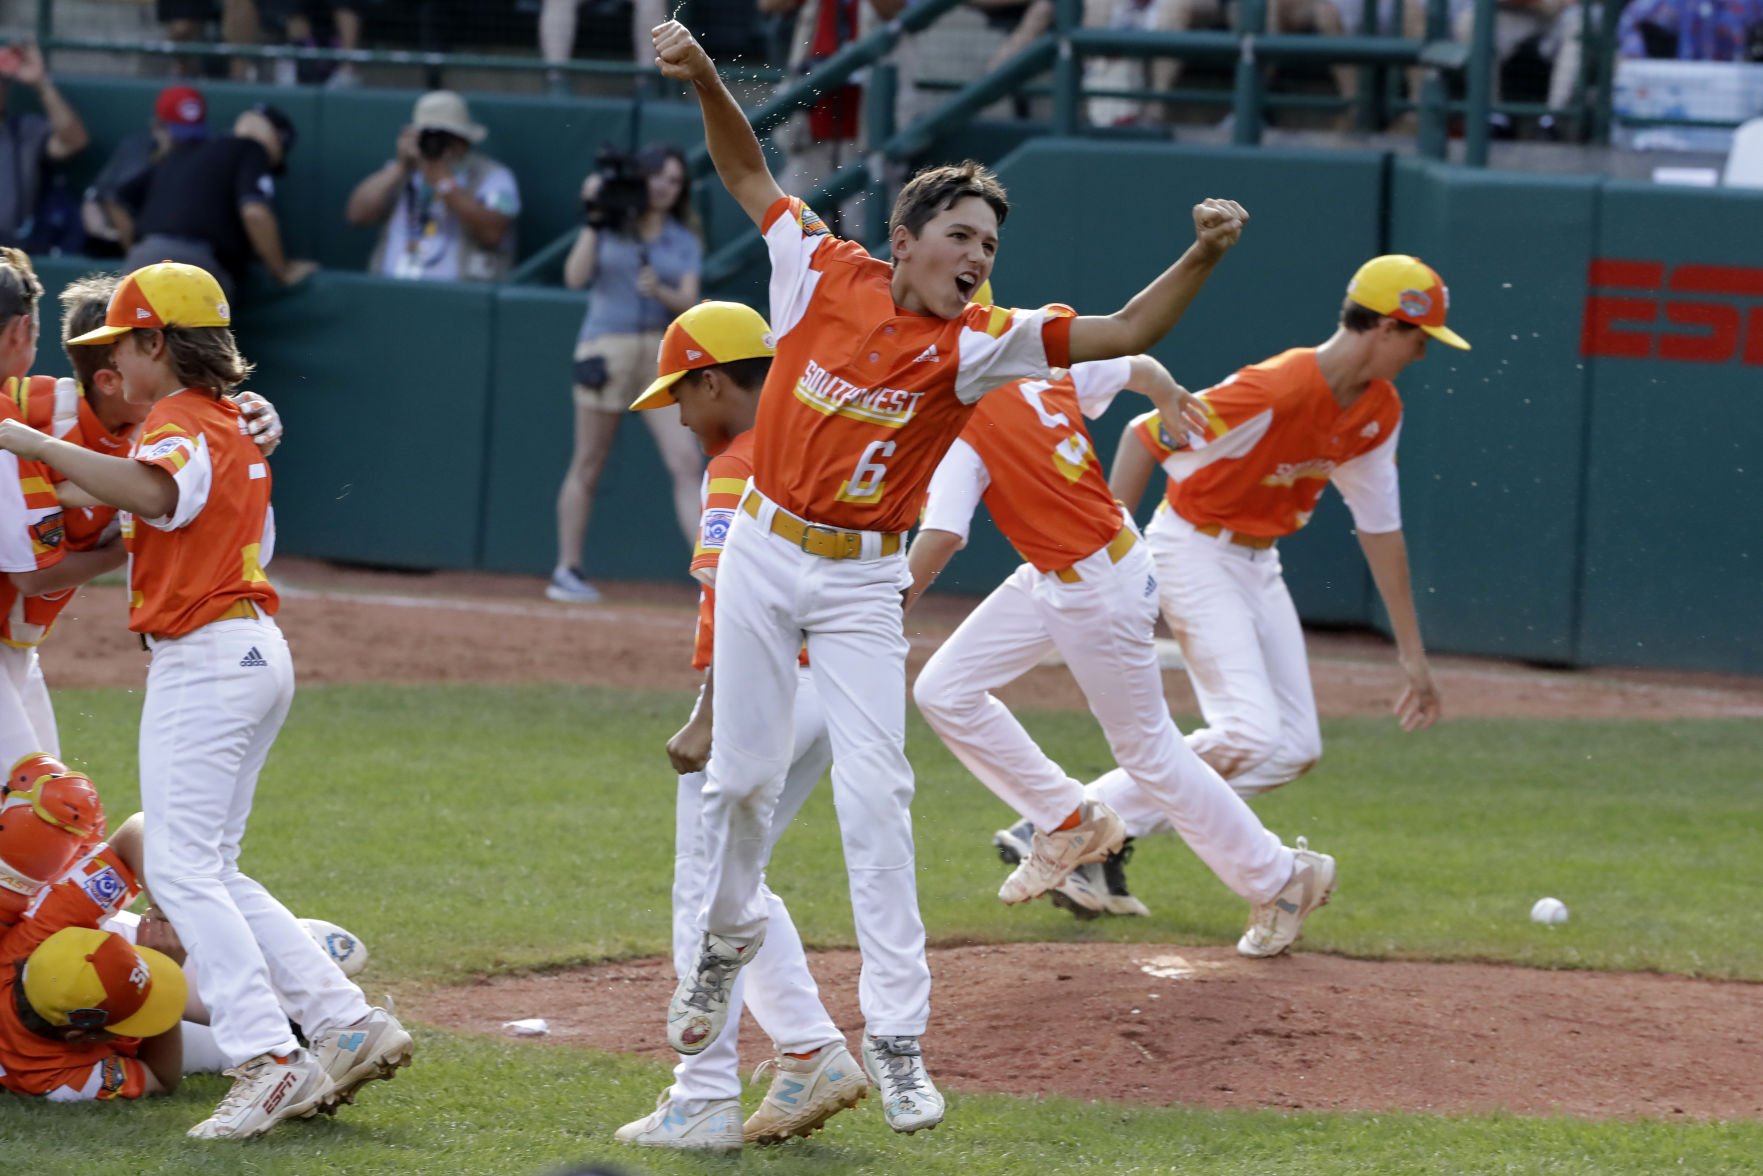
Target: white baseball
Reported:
[(1549, 910), (348, 952)]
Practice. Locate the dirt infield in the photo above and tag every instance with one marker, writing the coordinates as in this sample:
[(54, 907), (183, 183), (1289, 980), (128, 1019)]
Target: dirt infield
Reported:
[(1155, 1024)]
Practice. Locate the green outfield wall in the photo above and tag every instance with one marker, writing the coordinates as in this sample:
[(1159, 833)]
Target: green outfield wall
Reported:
[(1577, 489)]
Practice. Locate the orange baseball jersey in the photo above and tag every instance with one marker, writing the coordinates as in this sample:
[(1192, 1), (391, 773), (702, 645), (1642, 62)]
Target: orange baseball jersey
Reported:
[(1027, 454), (725, 480), (863, 397), (1275, 435), (35, 530), (187, 569), (95, 888)]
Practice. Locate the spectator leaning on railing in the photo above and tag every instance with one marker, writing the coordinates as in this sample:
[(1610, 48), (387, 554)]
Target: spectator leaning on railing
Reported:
[(31, 143), (446, 210)]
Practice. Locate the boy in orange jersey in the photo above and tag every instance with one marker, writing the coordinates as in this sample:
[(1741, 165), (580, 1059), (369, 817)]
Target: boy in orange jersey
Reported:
[(714, 359), (877, 369), (47, 552), (1277, 431), (1088, 591), (199, 531)]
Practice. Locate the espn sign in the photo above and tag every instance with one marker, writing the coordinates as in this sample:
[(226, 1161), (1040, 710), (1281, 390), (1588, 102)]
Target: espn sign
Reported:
[(1684, 314)]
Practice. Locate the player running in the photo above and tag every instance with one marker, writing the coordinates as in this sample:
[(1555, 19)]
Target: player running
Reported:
[(1277, 432), (1087, 590), (199, 532), (713, 363), (877, 368)]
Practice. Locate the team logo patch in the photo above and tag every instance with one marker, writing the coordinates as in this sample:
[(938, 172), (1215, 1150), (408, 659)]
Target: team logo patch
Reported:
[(106, 887), (49, 532), (114, 1076), (1415, 303), (714, 532), (164, 448), (812, 225)]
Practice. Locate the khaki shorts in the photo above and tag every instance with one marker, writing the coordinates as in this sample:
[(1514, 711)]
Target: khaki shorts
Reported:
[(630, 367)]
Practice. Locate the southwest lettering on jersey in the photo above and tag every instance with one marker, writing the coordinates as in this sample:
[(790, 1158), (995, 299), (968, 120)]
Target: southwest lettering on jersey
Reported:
[(824, 392), (1291, 473)]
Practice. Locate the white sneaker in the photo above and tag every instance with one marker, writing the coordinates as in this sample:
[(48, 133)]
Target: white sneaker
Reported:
[(1055, 855), (266, 1090), (699, 1007), (896, 1066), (1277, 924), (372, 1048), (805, 1093), (715, 1127), (568, 587)]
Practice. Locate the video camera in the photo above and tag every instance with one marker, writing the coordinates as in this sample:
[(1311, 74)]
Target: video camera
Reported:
[(623, 194)]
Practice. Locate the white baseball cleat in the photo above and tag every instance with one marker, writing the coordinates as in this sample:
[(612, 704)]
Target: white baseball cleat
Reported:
[(568, 587), (714, 1126), (896, 1066), (371, 1049), (805, 1093), (266, 1090), (699, 1007), (1276, 924), (1055, 855)]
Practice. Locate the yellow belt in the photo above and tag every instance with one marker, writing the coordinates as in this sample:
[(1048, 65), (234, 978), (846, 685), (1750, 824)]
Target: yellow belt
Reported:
[(1117, 548), (1254, 542), (826, 542), (240, 610)]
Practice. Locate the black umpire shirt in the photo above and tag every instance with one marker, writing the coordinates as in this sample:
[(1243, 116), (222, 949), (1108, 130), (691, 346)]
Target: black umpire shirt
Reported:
[(196, 194)]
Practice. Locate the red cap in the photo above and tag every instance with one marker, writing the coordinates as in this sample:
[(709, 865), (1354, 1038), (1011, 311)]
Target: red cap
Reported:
[(182, 110)]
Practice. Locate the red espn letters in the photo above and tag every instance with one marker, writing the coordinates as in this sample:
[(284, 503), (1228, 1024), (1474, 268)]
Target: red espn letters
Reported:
[(1718, 329)]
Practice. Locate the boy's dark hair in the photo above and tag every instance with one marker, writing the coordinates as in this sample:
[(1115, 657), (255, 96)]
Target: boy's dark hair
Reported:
[(938, 188), (1359, 319), (202, 357), (84, 303), (748, 373), (19, 287)]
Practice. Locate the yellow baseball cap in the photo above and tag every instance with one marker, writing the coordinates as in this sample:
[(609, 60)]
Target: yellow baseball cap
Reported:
[(94, 979), (1407, 289), (704, 336), (169, 294)]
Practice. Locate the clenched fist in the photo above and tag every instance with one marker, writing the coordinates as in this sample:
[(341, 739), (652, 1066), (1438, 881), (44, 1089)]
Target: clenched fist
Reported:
[(1217, 225), (18, 437), (679, 56)]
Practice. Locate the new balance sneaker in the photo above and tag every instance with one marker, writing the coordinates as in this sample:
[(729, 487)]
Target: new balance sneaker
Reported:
[(805, 1093), (568, 587), (699, 1006), (372, 1048), (715, 1126), (1277, 924), (896, 1066), (1013, 844), (266, 1090), (1055, 855)]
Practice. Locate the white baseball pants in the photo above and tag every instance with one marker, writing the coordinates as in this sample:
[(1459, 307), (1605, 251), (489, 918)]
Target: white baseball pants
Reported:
[(770, 595), (1102, 627), (215, 701), (27, 722), (1229, 608), (777, 985)]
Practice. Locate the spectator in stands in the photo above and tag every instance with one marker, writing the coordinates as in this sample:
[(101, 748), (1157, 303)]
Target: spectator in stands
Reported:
[(557, 35), (1692, 30), (187, 20), (446, 210), (316, 24), (639, 256), (30, 146), (829, 134), (180, 119), (210, 205)]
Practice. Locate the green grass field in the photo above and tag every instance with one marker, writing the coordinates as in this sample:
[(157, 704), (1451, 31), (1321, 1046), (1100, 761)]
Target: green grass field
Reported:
[(465, 829)]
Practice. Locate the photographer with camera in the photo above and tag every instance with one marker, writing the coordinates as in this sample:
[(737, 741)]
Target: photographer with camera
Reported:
[(639, 256), (447, 211)]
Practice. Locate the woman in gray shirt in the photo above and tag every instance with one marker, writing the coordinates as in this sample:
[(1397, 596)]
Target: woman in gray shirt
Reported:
[(641, 267)]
